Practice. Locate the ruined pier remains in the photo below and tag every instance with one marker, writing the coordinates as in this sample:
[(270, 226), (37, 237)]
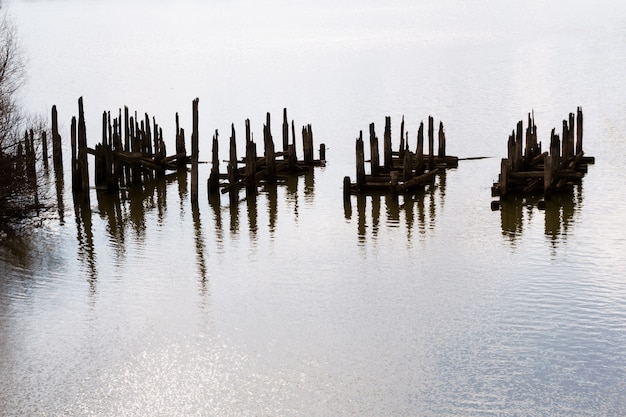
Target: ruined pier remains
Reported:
[(401, 171), (529, 170)]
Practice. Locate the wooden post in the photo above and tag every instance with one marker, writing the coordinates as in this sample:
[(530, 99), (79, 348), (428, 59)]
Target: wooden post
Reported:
[(571, 142), (194, 153), (293, 135), (518, 146), (44, 147), (322, 152), (82, 152), (374, 155), (401, 149), (270, 160), (360, 162), (307, 144), (29, 144), (233, 171), (250, 164), (547, 176), (347, 189), (214, 176), (511, 151), (441, 153), (76, 181), (285, 131), (387, 150), (504, 176), (579, 130), (57, 157), (419, 169), (407, 166), (292, 158), (431, 144)]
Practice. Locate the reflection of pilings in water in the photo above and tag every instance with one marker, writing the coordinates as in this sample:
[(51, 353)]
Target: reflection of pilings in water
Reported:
[(84, 236), (408, 214), (360, 208), (137, 209), (512, 217), (182, 187), (272, 200), (559, 214), (252, 214), (442, 186), (199, 239), (309, 186), (161, 192), (392, 208), (109, 206), (432, 206), (60, 187), (234, 218), (292, 192), (375, 214), (214, 202)]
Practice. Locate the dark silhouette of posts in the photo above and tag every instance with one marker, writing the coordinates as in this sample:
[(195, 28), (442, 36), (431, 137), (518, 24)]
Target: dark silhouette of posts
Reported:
[(82, 153), (285, 132), (194, 153), (579, 130), (57, 155), (431, 144), (419, 152), (387, 151), (360, 162), (374, 155), (214, 176), (270, 160)]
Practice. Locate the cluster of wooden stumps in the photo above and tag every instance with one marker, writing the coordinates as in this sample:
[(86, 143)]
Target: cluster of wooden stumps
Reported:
[(529, 171), (133, 151), (402, 171), (252, 170)]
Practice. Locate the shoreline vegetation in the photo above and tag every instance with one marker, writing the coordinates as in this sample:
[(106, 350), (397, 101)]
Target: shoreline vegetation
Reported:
[(21, 185)]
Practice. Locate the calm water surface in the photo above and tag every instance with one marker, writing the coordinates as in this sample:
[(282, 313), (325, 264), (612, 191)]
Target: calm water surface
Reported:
[(290, 303)]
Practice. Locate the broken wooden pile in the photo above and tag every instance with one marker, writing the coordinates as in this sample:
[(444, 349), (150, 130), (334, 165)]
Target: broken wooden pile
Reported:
[(125, 156), (252, 170), (528, 170), (402, 171)]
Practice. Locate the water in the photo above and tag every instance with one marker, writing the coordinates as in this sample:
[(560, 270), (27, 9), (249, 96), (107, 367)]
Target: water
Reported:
[(288, 304)]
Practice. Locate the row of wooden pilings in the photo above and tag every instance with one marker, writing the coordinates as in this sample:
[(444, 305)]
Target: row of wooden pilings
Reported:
[(402, 171), (252, 170), (528, 170), (133, 150)]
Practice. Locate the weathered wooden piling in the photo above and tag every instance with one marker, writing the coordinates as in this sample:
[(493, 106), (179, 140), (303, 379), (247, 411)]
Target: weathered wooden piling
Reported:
[(431, 144), (285, 131), (405, 171), (387, 151), (194, 153), (527, 170), (214, 176), (374, 154), (57, 153), (82, 153), (270, 161)]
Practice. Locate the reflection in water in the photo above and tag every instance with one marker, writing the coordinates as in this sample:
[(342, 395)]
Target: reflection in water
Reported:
[(394, 206), (84, 236), (60, 186), (200, 246), (559, 214), (252, 214)]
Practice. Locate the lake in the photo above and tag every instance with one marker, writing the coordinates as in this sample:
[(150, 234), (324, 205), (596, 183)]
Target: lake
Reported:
[(289, 303)]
